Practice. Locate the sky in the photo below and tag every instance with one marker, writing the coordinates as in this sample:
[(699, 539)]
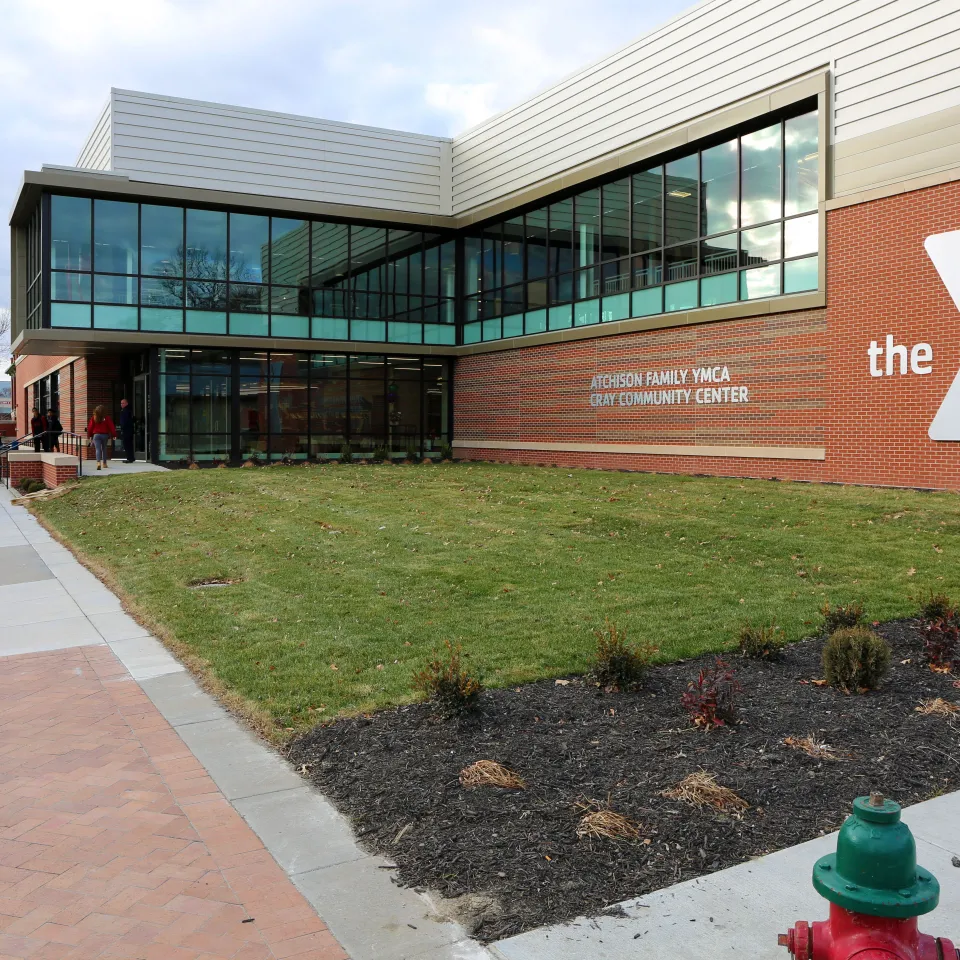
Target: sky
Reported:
[(427, 66)]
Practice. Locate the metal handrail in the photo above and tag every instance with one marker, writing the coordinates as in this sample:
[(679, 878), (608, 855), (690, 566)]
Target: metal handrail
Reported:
[(70, 443)]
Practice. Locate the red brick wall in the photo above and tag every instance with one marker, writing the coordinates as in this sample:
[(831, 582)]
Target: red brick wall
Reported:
[(807, 372), (880, 281)]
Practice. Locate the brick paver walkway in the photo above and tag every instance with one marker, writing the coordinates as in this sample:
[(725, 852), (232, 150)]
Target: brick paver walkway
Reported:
[(115, 843)]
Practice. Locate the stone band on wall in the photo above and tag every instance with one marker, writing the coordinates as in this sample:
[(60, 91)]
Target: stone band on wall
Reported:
[(666, 450)]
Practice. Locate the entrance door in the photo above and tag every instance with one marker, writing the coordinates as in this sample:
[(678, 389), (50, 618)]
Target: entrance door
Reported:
[(141, 416)]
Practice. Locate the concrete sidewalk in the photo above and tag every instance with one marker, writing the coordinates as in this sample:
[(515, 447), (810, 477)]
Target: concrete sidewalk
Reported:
[(739, 912)]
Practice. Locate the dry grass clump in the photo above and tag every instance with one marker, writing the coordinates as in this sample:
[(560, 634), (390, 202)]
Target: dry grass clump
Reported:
[(489, 773), (812, 747), (600, 822), (701, 789), (938, 707)]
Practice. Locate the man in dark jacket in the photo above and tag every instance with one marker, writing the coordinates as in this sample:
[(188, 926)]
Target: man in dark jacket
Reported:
[(126, 430)]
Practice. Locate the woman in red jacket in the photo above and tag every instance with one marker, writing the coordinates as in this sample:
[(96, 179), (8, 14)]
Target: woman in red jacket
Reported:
[(100, 429)]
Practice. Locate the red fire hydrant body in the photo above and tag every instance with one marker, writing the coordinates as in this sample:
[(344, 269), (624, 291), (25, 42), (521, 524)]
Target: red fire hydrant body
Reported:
[(876, 892)]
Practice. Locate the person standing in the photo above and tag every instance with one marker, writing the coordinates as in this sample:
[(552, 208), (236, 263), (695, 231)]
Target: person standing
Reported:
[(54, 429), (126, 430), (38, 428), (101, 431)]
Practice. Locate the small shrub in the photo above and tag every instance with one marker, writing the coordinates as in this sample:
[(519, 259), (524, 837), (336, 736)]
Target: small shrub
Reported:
[(617, 664), (855, 658), (379, 454), (941, 639), (701, 790), (346, 453), (937, 607), (447, 682), (30, 485), (841, 616), (711, 698), (413, 451), (760, 643), (446, 451)]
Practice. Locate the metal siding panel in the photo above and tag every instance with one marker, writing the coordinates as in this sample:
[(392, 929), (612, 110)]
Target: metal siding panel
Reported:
[(202, 145)]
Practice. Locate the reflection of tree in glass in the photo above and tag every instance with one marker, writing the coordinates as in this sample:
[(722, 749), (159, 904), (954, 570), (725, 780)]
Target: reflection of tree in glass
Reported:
[(206, 274)]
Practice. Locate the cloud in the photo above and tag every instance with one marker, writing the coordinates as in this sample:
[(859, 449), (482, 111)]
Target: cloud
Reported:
[(429, 66)]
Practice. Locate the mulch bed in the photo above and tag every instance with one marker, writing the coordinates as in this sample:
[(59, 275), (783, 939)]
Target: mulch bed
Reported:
[(395, 774)]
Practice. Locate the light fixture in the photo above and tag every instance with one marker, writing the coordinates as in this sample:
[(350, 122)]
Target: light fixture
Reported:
[(682, 194), (809, 156)]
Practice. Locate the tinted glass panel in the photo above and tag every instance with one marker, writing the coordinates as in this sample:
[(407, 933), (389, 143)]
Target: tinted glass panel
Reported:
[(587, 227), (801, 163), (760, 176), (207, 245), (161, 293), (115, 241), (719, 254), (448, 269), (615, 276), (70, 233), (680, 262), (647, 209), (536, 233), (161, 240), (329, 258), (801, 236), (616, 220), (647, 270), (760, 245), (70, 286), (247, 298), (718, 182), (206, 295), (289, 251), (513, 251), (492, 257), (249, 247), (115, 289), (682, 199), (561, 236)]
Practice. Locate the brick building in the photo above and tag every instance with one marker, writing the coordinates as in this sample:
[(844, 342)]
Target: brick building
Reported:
[(731, 247)]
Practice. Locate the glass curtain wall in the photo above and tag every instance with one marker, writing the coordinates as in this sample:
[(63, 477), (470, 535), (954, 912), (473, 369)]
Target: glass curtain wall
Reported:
[(733, 221), (273, 405), (118, 265)]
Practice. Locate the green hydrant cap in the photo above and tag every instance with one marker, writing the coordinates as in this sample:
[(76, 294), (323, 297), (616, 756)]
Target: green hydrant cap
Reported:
[(874, 870)]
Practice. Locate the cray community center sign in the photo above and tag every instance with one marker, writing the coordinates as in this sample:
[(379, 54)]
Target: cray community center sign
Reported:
[(666, 388)]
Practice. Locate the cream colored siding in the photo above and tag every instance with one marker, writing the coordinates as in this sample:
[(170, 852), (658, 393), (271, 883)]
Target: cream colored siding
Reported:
[(167, 140), (893, 60), (96, 154)]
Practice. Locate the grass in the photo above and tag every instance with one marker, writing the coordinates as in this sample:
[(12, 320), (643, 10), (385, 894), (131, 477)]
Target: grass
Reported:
[(347, 579)]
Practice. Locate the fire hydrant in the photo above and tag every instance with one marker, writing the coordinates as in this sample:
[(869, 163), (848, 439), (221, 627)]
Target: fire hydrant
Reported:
[(876, 892)]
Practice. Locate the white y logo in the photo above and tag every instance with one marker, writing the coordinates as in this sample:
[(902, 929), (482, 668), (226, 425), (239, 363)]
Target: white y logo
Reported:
[(944, 251)]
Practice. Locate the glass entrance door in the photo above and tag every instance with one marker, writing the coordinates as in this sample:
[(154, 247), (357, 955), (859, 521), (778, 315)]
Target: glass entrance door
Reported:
[(141, 416)]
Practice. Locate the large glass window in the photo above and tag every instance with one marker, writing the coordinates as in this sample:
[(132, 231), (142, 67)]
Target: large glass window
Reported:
[(735, 220), (249, 260), (760, 175), (161, 240), (801, 163), (297, 404), (115, 237), (718, 186), (70, 228), (682, 199)]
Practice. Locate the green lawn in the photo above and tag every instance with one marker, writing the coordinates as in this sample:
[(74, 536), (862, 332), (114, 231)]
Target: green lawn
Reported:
[(349, 577)]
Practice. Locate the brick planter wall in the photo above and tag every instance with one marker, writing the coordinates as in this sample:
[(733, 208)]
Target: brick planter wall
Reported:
[(53, 469)]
